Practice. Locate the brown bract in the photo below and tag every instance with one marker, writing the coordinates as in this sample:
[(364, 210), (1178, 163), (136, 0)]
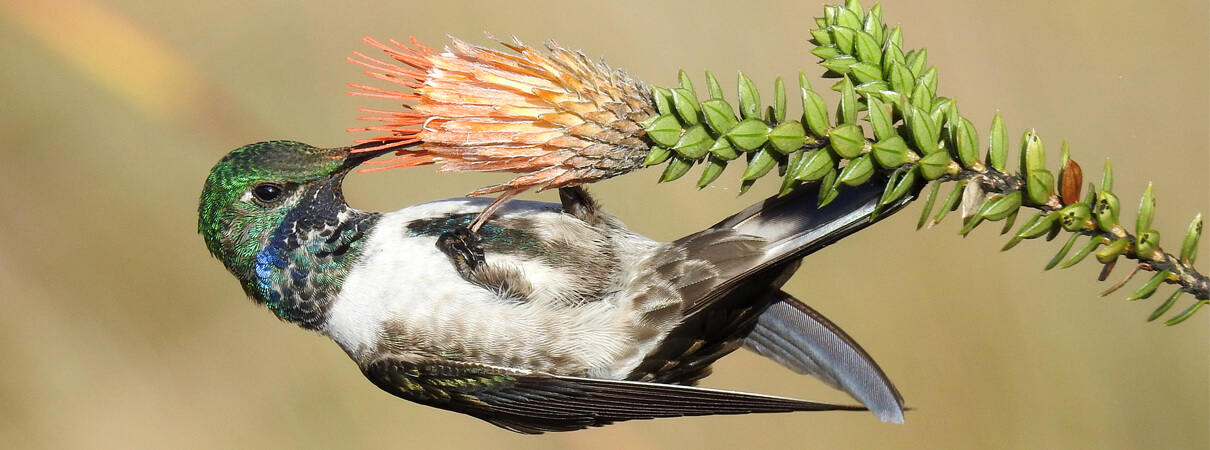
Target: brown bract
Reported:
[(558, 119)]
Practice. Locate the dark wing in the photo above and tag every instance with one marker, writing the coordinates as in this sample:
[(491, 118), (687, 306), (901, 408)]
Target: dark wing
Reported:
[(751, 254), (529, 402), (803, 340)]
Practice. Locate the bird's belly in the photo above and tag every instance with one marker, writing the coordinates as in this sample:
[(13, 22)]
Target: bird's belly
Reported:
[(405, 296)]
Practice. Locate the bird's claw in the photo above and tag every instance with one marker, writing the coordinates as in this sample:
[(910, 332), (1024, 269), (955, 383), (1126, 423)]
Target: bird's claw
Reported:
[(464, 248)]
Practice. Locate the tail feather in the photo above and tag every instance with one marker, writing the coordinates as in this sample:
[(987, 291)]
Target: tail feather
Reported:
[(803, 340)]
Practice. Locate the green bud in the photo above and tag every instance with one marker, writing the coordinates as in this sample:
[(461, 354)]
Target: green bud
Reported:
[(1107, 211), (1040, 184), (1074, 217), (1033, 155), (1146, 245)]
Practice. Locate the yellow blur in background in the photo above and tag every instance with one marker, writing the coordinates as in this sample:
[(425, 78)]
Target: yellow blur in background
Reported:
[(117, 329)]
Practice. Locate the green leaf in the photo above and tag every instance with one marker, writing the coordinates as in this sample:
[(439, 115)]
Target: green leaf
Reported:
[(967, 139), (1149, 288), (1146, 209), (951, 201), (997, 153), (891, 55), (868, 49), (1062, 252), (749, 98), (760, 164), (1042, 226), (787, 137), (854, 6), (713, 168), (821, 37), (750, 134), (788, 183), (716, 90), (891, 152), (847, 139), (1082, 253), (779, 100), (827, 188), (665, 130), (723, 150), (880, 117), (815, 165), (847, 112), (924, 131), (686, 83), (663, 100), (1189, 247), (1040, 184), (676, 169), (844, 37), (866, 72), (718, 114), (905, 184), (934, 165), (1033, 155), (895, 37), (1164, 307), (815, 112), (1186, 313), (856, 171), (917, 61), (1017, 238), (1111, 252), (1003, 207), (839, 64), (922, 98), (694, 143), (849, 17), (928, 205), (657, 155), (826, 52), (928, 78), (1107, 178)]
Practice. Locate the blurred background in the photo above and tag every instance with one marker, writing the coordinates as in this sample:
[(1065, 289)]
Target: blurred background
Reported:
[(118, 330)]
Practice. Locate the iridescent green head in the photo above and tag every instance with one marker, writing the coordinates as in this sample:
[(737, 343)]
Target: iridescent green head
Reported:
[(250, 191)]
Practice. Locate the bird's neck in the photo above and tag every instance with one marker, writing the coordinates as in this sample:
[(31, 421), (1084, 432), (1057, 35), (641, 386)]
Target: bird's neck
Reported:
[(298, 272)]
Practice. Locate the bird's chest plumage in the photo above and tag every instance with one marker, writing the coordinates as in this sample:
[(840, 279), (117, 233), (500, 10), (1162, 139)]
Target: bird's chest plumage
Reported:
[(405, 296)]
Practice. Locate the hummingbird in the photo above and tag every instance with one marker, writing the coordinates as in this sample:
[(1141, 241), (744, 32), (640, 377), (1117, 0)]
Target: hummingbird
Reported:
[(551, 317)]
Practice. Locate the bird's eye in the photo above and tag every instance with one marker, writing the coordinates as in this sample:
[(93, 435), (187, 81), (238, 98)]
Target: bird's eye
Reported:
[(267, 193)]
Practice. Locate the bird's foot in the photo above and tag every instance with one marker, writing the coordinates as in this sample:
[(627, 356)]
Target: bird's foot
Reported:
[(464, 247)]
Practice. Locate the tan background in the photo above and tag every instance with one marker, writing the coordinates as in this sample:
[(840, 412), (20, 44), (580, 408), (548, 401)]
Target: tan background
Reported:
[(119, 331)]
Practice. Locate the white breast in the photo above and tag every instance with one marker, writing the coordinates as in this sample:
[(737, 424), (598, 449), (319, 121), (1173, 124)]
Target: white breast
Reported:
[(405, 290)]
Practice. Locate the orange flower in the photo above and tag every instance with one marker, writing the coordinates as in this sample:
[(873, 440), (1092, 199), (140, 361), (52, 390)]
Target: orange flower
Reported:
[(557, 119)]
